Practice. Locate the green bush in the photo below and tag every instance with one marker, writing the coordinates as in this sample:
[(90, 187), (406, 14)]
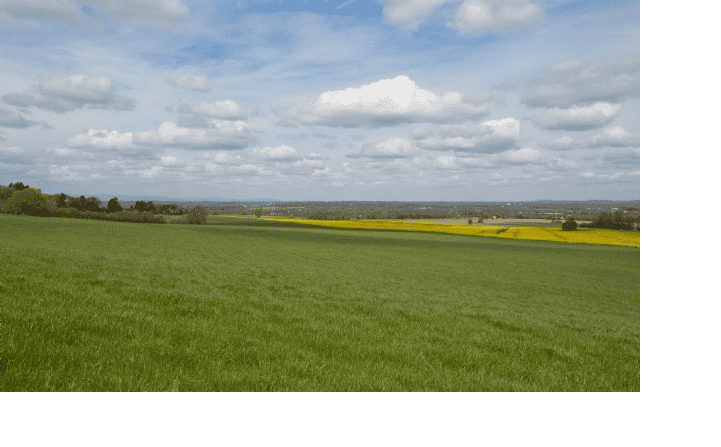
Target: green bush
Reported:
[(198, 215), (135, 217), (570, 224), (257, 212), (29, 201), (5, 192)]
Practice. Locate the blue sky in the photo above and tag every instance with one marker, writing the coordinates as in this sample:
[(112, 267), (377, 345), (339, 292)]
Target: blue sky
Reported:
[(322, 100)]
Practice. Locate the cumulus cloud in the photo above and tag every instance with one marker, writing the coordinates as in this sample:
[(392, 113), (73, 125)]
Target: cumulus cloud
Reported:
[(278, 153), (561, 164), (578, 118), (475, 17), (409, 14), (624, 158), (197, 83), (285, 122), (388, 102), (526, 155), (66, 11), (615, 136), (390, 148), (192, 122), (63, 94), (101, 140), (170, 160), (219, 135), (574, 83), (63, 11), (472, 17), (563, 143), (14, 120), (488, 137), (222, 110)]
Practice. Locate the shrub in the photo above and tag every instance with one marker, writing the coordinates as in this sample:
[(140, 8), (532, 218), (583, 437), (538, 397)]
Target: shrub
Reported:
[(5, 192), (570, 224), (257, 212), (29, 201), (470, 221), (114, 205), (67, 212), (198, 215)]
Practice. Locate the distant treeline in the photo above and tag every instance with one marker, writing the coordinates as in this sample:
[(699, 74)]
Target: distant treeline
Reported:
[(17, 198), (614, 221)]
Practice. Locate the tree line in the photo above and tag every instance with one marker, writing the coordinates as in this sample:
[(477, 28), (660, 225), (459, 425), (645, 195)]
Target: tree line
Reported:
[(17, 198)]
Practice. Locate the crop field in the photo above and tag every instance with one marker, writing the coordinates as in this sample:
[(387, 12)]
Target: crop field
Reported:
[(258, 305), (582, 235)]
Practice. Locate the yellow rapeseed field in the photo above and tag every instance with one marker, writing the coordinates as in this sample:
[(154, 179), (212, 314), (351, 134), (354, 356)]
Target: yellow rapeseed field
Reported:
[(555, 234)]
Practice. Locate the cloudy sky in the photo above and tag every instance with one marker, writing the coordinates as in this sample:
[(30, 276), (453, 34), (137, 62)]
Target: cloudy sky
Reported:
[(322, 100)]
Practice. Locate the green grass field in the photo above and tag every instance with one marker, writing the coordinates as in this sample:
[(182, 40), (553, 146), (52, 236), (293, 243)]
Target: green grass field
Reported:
[(103, 306)]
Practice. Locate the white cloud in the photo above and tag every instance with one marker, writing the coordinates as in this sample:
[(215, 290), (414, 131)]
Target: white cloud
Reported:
[(527, 155), (220, 135), (474, 17), (578, 118), (391, 148), (66, 11), (63, 94), (143, 11), (343, 5), (102, 140), (63, 11), (492, 136), (278, 153), (562, 164), (14, 120), (170, 160), (409, 14), (223, 110), (624, 157), (615, 136), (573, 83), (197, 83), (388, 102), (588, 174), (192, 122), (563, 143)]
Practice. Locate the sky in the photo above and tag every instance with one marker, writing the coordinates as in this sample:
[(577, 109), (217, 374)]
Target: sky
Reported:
[(399, 100)]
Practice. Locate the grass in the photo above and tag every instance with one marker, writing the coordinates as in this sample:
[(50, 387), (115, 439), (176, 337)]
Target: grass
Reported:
[(104, 306)]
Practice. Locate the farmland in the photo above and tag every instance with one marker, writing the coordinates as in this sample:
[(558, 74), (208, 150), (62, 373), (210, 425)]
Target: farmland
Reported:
[(261, 305)]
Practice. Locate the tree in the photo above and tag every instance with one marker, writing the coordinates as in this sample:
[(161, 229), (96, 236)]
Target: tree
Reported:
[(93, 204), (570, 224), (61, 200), (198, 215), (470, 220), (29, 201), (258, 212), (5, 192), (144, 206), (114, 205), (18, 186)]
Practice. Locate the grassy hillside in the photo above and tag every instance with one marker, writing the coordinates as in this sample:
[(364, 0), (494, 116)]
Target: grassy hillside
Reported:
[(91, 305)]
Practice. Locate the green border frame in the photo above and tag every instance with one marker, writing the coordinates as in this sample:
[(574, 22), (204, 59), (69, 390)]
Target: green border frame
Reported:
[(671, 409)]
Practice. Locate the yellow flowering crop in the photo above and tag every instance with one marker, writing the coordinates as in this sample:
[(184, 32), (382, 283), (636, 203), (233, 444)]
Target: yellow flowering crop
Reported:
[(555, 234)]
